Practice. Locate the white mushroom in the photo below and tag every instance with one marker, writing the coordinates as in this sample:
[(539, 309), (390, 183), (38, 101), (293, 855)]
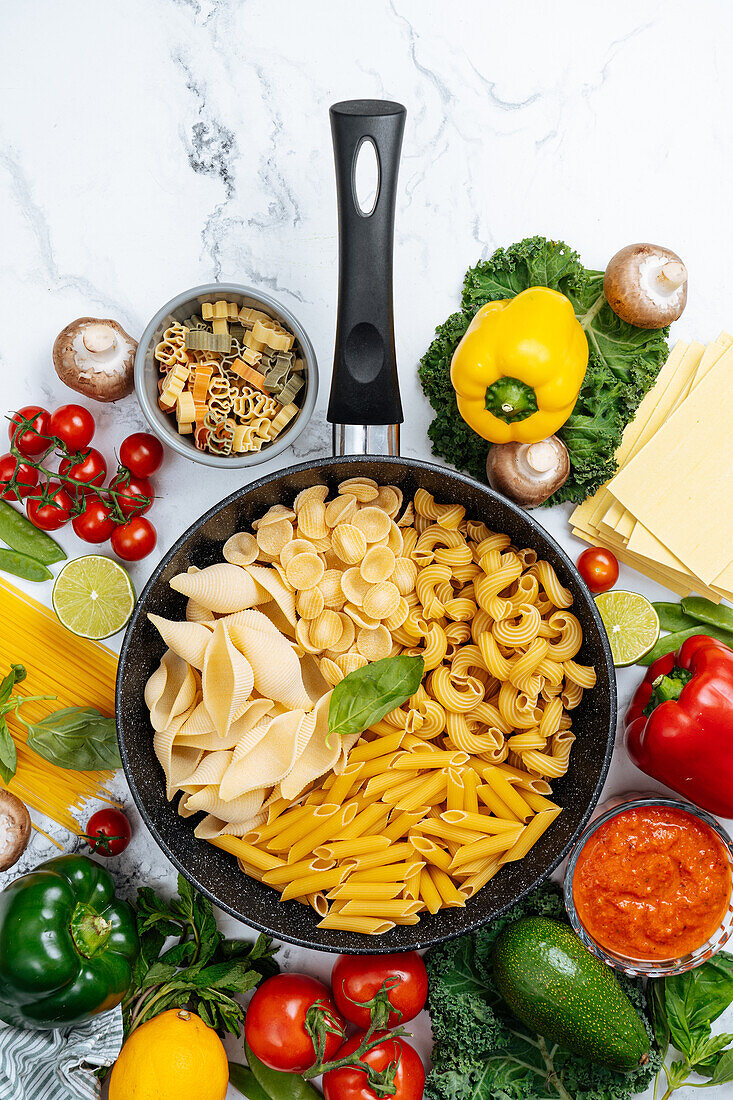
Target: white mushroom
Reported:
[(95, 357), (646, 285), (528, 473), (15, 829)]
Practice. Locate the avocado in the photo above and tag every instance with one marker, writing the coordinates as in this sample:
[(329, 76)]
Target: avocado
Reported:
[(556, 986)]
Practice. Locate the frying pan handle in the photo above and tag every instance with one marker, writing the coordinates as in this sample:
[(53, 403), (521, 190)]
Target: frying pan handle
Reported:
[(365, 407)]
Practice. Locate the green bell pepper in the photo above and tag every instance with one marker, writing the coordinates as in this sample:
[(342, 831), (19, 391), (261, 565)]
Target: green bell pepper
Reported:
[(67, 945)]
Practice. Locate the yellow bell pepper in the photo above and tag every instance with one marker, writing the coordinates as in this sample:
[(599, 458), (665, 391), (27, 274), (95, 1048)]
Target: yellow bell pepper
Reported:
[(518, 370)]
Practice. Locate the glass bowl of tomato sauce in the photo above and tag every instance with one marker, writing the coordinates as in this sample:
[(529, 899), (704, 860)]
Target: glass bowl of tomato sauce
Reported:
[(649, 885)]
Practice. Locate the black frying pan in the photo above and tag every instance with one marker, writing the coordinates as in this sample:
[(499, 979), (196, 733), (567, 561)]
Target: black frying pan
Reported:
[(365, 409)]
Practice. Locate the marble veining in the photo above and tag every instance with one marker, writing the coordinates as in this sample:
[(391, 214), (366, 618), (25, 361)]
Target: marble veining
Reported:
[(153, 145)]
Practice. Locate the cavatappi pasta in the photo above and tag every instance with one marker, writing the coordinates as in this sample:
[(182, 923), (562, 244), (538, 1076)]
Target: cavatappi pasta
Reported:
[(424, 808), (230, 377)]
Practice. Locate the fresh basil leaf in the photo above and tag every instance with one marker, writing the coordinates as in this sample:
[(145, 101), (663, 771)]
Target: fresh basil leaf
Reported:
[(723, 1069), (713, 988), (707, 1049), (8, 753), (367, 694), (695, 999), (16, 675), (76, 737)]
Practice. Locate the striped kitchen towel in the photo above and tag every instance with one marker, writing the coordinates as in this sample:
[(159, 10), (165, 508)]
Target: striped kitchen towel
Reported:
[(58, 1065)]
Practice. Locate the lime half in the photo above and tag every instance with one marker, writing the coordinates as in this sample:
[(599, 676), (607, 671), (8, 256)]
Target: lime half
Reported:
[(93, 596), (631, 623)]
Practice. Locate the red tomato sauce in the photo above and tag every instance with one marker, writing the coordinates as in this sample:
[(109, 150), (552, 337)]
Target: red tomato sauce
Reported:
[(652, 883)]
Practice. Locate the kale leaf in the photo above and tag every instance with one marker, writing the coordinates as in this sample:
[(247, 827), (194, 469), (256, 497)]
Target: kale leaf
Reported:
[(622, 367), (483, 1052)]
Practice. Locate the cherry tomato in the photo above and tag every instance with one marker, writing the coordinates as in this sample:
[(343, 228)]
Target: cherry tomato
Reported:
[(32, 440), (92, 469), (95, 523), (135, 539), (52, 514), (27, 477), (275, 1024), (73, 425), (108, 832), (351, 1083), (356, 978), (598, 568), (142, 454), (132, 493)]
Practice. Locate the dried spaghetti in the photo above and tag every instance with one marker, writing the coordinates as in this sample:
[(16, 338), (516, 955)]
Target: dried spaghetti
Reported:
[(79, 673)]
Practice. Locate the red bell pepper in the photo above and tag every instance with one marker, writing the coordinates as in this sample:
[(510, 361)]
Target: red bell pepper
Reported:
[(679, 726)]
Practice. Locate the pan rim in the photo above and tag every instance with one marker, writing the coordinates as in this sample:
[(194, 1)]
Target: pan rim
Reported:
[(369, 945)]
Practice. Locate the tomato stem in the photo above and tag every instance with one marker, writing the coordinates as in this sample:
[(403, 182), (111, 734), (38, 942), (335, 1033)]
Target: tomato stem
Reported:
[(82, 490)]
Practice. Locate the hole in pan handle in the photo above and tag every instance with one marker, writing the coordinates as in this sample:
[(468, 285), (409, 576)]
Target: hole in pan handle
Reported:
[(365, 406)]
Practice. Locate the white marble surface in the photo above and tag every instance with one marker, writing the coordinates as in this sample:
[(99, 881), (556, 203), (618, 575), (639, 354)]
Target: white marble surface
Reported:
[(151, 145)]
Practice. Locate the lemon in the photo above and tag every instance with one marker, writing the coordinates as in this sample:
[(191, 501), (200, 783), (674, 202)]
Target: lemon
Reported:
[(174, 1056), (631, 623), (93, 596)]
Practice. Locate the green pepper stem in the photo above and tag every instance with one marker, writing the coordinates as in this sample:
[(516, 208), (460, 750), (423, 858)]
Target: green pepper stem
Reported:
[(510, 400), (90, 931), (667, 688)]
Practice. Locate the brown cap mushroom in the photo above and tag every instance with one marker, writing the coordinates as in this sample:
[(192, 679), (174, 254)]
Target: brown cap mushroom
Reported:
[(528, 473), (95, 357), (646, 285), (15, 829)]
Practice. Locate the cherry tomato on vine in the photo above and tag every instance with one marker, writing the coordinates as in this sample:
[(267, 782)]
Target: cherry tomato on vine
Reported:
[(142, 454), (27, 477), (356, 978), (52, 514), (33, 439), (94, 523), (73, 425), (108, 832), (274, 1027), (598, 568), (92, 469), (132, 493), (350, 1083), (135, 539)]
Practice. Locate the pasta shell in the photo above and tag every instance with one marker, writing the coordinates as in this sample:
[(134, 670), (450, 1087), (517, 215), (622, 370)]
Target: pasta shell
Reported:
[(270, 580), (211, 827), (199, 721), (175, 759), (227, 680), (221, 588), (188, 640), (266, 763), (210, 769), (170, 691), (237, 809), (211, 740), (275, 667), (318, 757), (195, 613)]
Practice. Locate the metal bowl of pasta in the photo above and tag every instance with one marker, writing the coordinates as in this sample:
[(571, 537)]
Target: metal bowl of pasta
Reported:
[(211, 387), (368, 844)]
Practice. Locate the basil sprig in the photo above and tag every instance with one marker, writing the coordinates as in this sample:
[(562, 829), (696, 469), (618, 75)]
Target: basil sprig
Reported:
[(10, 703), (683, 1009), (76, 737), (368, 693)]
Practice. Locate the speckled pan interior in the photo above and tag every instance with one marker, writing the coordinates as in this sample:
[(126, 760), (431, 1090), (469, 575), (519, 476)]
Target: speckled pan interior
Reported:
[(214, 872)]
